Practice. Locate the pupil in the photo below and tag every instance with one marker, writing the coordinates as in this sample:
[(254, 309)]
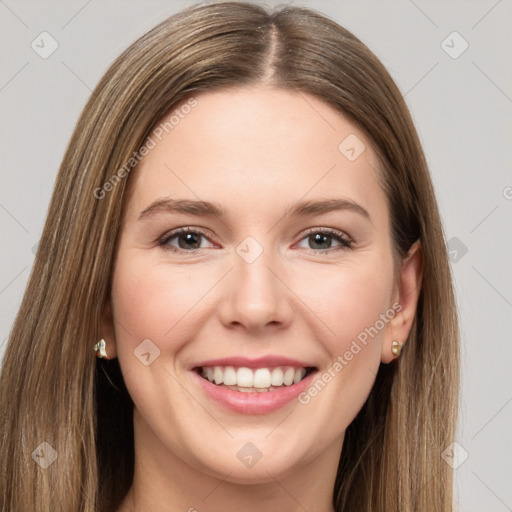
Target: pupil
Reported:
[(190, 238), (321, 239)]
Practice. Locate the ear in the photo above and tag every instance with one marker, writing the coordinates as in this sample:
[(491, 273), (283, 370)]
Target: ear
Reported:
[(107, 331), (405, 300)]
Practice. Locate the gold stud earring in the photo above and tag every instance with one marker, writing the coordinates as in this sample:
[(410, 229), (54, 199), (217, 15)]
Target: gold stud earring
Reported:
[(396, 348), (100, 349)]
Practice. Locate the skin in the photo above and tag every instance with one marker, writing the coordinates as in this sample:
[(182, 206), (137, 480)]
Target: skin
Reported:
[(255, 151)]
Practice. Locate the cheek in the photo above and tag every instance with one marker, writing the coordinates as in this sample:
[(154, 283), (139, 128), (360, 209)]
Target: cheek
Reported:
[(348, 300), (152, 302), (350, 303)]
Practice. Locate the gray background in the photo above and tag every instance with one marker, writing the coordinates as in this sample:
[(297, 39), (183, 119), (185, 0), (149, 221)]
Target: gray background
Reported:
[(461, 104)]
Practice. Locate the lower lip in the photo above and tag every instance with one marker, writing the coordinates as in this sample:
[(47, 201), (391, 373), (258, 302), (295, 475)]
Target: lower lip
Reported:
[(253, 403)]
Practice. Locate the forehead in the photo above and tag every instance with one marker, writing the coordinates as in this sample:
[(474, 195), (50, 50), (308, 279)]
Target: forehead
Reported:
[(256, 148)]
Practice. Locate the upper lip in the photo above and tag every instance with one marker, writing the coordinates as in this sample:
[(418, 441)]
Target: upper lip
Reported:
[(268, 361)]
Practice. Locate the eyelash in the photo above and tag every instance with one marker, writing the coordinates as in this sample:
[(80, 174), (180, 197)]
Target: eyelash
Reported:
[(345, 242)]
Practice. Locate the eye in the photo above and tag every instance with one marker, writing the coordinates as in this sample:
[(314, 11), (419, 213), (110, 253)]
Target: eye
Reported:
[(322, 240), (186, 240)]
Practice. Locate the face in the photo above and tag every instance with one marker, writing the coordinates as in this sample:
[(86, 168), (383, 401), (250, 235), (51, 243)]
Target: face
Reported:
[(255, 252)]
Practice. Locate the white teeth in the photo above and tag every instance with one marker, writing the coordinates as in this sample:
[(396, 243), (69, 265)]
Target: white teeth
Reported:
[(217, 375), (244, 377), (229, 376), (262, 378), (277, 377), (249, 380), (299, 375), (289, 374)]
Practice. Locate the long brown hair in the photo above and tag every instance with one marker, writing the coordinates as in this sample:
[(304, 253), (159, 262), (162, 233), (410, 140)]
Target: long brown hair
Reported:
[(54, 390)]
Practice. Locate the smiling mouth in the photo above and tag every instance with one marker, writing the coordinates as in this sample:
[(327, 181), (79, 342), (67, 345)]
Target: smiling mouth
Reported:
[(254, 380)]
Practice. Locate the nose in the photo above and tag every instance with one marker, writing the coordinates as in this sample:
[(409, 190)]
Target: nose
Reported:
[(256, 298)]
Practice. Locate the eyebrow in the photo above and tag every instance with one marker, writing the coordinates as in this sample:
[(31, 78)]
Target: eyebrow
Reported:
[(208, 209)]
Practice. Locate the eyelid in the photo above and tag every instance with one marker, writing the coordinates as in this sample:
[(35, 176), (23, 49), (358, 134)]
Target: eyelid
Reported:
[(178, 231), (321, 229), (345, 240)]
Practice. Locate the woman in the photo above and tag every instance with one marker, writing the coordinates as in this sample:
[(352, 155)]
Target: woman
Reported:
[(241, 298)]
